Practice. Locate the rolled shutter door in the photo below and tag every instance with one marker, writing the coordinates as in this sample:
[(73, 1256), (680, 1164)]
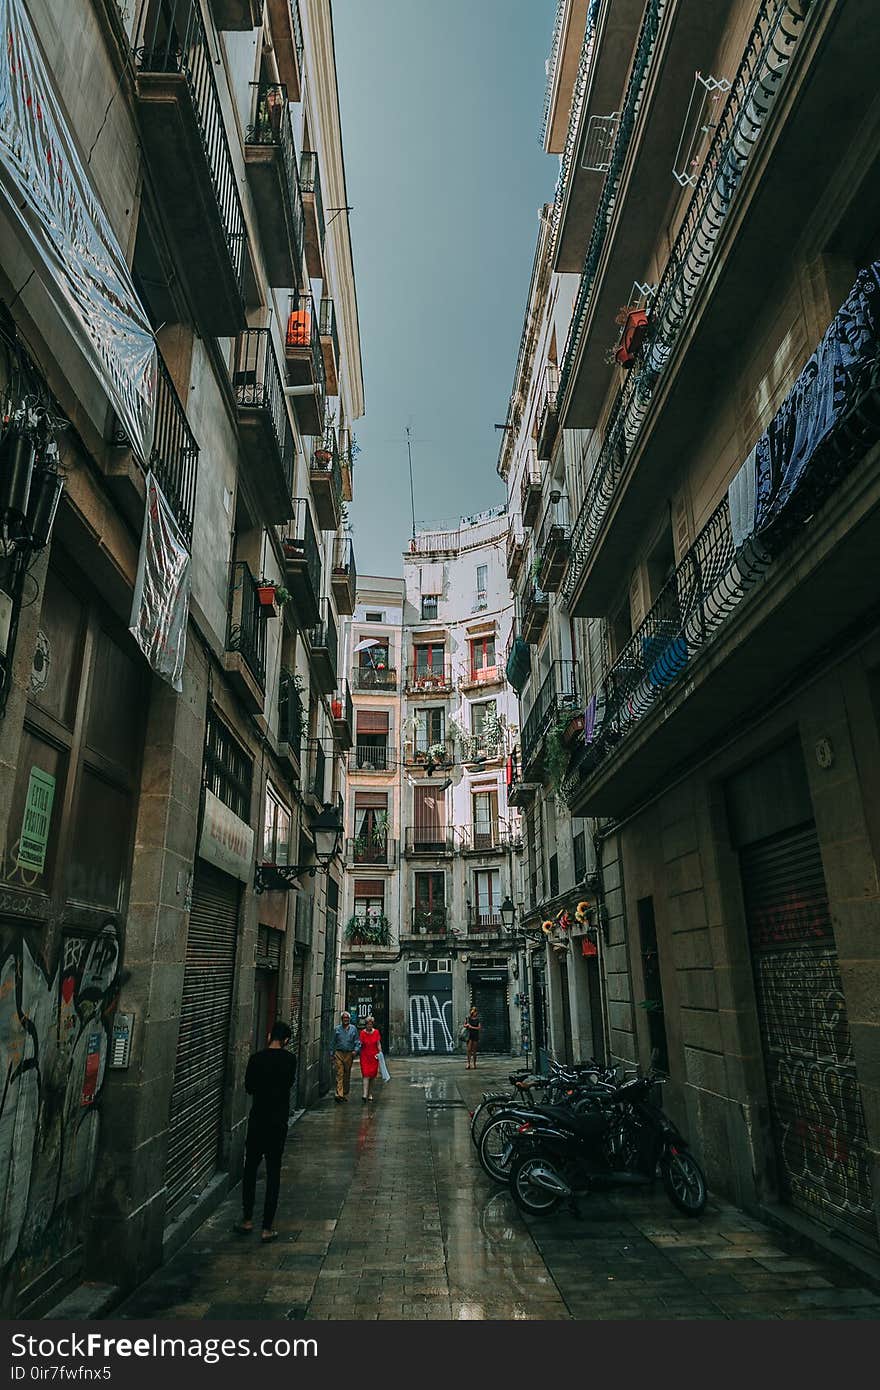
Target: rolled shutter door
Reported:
[(203, 1037), (815, 1106)]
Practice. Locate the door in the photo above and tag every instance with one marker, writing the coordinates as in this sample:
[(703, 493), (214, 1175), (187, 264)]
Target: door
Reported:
[(539, 991), (203, 1036), (485, 819), (815, 1107), (429, 831), (430, 1019), (565, 1009), (491, 1002), (365, 995)]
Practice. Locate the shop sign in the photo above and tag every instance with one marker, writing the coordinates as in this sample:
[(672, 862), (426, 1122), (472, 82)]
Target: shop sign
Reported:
[(227, 841)]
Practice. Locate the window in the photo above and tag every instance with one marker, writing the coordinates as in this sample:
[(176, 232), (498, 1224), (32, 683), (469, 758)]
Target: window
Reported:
[(487, 899), (483, 658), (374, 617), (482, 584), (653, 1001), (228, 769), (429, 606), (553, 867), (620, 629), (429, 913), (370, 827), (484, 811), (429, 665), (371, 739), (579, 847), (430, 729), (276, 829), (374, 665), (478, 716), (369, 898)]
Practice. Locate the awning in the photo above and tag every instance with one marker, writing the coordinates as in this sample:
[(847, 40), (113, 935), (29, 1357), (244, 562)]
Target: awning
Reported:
[(372, 721), (519, 664)]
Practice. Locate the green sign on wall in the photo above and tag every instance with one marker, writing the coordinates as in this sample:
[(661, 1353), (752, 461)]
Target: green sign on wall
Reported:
[(36, 820)]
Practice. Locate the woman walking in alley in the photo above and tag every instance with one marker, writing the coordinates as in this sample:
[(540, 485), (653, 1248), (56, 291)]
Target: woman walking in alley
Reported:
[(472, 1025), (371, 1046)]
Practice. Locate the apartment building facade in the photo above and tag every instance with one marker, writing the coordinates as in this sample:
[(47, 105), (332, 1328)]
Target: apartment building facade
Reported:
[(431, 838), (181, 375), (712, 254)]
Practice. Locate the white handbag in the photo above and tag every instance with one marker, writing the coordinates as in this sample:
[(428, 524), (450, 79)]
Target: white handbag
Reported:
[(383, 1067)]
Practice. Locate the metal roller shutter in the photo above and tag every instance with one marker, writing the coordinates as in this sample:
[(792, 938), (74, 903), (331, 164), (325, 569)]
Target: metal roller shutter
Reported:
[(815, 1106), (491, 1002), (202, 1042)]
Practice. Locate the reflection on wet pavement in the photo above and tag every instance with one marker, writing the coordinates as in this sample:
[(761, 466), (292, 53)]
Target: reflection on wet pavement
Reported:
[(386, 1213)]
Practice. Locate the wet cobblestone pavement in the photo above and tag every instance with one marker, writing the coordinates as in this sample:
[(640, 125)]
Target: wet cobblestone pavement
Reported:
[(386, 1213)]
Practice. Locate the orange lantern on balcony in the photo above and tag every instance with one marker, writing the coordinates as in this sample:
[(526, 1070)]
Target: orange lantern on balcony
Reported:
[(635, 326), (299, 328)]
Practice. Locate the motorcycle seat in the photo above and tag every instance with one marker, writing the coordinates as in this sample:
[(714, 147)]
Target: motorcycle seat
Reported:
[(584, 1126)]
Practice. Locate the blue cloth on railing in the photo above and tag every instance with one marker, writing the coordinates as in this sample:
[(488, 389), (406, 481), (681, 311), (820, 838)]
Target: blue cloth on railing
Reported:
[(817, 400), (667, 656)]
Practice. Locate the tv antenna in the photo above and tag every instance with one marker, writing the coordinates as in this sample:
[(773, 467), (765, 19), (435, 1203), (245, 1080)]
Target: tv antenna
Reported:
[(412, 495)]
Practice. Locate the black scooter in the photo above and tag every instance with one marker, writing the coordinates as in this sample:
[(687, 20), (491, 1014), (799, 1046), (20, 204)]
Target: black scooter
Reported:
[(558, 1155)]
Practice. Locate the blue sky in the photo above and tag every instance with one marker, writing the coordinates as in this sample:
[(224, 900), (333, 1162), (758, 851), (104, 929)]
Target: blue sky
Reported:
[(441, 108)]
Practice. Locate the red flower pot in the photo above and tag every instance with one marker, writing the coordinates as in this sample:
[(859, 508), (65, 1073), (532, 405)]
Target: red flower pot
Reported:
[(266, 596), (336, 708)]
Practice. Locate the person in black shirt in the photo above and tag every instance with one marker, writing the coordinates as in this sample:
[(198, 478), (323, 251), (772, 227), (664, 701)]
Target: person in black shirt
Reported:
[(269, 1077)]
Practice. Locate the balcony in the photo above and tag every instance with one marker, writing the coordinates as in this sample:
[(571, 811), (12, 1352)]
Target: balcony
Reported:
[(375, 851), (479, 748), (555, 707), (238, 15), (184, 140), (484, 921), (315, 772), (487, 838), (342, 712), (481, 677), (343, 576), (548, 420), (324, 648), (270, 163), (417, 752), (688, 348), (264, 424), (435, 679), (368, 931), (305, 363), (347, 451), (330, 346), (370, 759), (174, 460), (302, 562), (326, 481), (429, 841), (245, 655), (520, 791), (290, 723), (530, 492), (515, 547), (553, 545), (313, 206), (535, 612), (430, 921), (287, 42), (374, 680)]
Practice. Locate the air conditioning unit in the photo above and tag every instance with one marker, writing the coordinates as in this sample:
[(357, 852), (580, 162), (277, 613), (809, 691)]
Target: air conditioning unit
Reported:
[(417, 967), (443, 967)]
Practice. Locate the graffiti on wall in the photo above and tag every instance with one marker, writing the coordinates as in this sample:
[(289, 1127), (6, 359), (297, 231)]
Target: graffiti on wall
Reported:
[(430, 1023), (814, 1093), (54, 1038)]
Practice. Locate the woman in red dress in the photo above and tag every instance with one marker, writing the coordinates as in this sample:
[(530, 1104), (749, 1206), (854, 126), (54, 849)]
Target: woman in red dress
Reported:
[(371, 1046)]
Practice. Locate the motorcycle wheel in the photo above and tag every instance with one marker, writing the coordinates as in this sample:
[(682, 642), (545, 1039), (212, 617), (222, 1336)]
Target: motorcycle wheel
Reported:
[(495, 1140), (483, 1114), (527, 1195), (684, 1182)]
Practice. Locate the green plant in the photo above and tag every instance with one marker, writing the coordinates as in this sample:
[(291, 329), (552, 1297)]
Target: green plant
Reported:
[(372, 930), (556, 755), (537, 565), (282, 595)]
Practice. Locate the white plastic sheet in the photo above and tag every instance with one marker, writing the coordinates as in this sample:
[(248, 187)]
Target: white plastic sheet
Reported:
[(160, 602), (48, 192)]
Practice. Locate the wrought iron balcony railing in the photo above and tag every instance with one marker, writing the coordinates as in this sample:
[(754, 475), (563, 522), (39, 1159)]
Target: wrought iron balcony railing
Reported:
[(484, 919), (372, 678), (290, 712), (369, 929), (378, 850), (328, 324), (259, 386), (430, 921), (303, 559), (310, 177), (324, 645), (272, 127), (486, 837), (315, 769), (173, 40), (247, 628), (557, 698), (175, 454), (534, 613), (771, 45), (372, 758), (430, 840), (433, 679)]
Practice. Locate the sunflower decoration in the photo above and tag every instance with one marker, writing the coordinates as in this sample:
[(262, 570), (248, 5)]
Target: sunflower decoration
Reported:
[(582, 912), (563, 919), (547, 928)]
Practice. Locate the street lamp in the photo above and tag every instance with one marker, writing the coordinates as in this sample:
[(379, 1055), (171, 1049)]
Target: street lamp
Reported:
[(327, 830), (508, 914)]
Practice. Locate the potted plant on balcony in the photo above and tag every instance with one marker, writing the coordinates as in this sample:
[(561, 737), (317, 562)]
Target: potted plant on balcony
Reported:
[(336, 707), (323, 455), (272, 597), (634, 322)]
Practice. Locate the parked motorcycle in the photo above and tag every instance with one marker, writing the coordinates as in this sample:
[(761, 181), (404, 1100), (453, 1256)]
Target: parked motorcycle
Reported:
[(569, 1089), (626, 1142)]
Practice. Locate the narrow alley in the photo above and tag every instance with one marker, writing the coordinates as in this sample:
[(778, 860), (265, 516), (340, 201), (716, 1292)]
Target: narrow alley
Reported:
[(385, 1213)]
